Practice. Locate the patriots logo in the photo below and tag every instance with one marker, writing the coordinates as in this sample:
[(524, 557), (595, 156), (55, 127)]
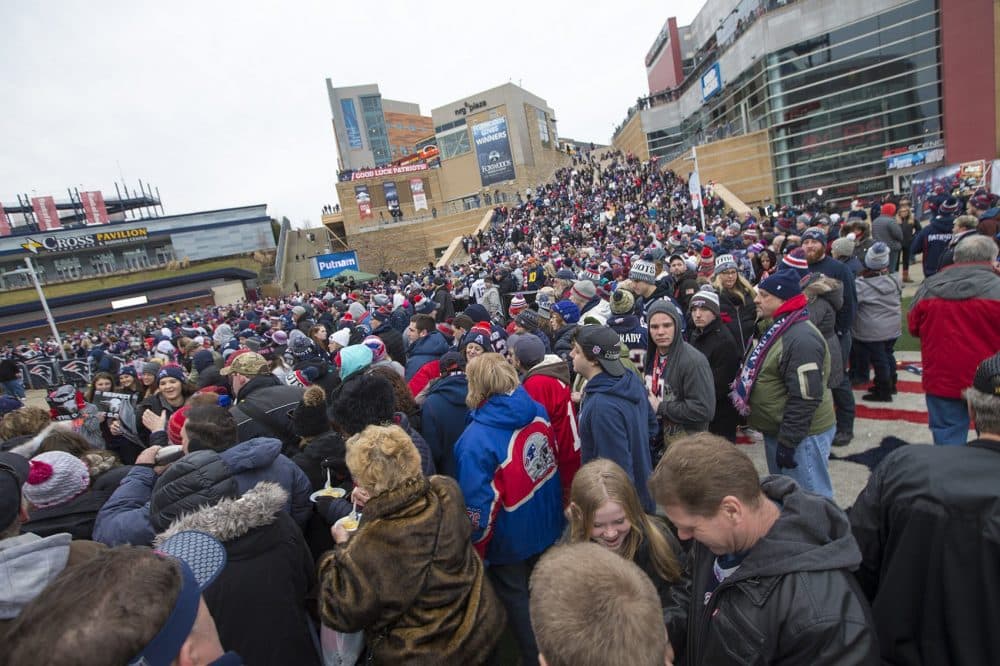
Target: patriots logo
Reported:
[(474, 516), (538, 456), (43, 372)]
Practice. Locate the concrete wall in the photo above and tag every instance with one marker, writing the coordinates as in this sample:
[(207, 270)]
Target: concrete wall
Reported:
[(742, 164), (632, 138)]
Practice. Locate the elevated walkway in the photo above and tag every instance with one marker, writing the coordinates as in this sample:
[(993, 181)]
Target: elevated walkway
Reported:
[(730, 199)]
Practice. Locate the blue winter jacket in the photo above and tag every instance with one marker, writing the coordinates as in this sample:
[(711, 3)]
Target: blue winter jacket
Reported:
[(426, 349), (616, 422), (124, 518), (932, 241), (443, 419), (508, 475)]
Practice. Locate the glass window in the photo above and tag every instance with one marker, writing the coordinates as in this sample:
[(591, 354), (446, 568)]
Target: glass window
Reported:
[(454, 144), (543, 127)]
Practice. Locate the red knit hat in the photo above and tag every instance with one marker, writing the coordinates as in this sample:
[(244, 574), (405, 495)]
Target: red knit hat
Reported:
[(175, 424)]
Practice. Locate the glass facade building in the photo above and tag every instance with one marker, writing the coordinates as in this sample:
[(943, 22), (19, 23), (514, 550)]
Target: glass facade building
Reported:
[(833, 103), (378, 139)]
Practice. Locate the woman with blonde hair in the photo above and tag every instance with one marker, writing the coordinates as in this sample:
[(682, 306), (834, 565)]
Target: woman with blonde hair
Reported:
[(408, 576), (506, 467), (605, 508)]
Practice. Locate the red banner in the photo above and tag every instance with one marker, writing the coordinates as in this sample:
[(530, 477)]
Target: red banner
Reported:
[(45, 213), (389, 171), (4, 223), (94, 208)]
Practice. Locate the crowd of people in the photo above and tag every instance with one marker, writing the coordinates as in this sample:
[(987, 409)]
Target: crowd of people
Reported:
[(528, 443)]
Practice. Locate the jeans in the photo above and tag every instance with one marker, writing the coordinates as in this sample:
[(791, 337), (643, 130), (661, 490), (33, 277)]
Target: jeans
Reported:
[(510, 581), (949, 420), (880, 355), (843, 395), (14, 387), (811, 454)]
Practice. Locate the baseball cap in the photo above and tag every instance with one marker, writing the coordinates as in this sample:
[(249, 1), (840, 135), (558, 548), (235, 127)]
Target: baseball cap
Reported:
[(604, 343), (14, 471), (201, 558), (248, 363)]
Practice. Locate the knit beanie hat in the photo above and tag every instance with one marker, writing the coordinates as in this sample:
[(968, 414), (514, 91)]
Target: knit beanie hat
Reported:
[(643, 271), (517, 304), (796, 260), (814, 233), (202, 359), (356, 310), (622, 302), (309, 418), (151, 368), (528, 320), (176, 423), (568, 310), (707, 263), (375, 343), (128, 370), (173, 371), (164, 347), (784, 284), (479, 337), (949, 207), (565, 274), (342, 337), (55, 478), (888, 209), (279, 338), (877, 257), (724, 262), (707, 299), (584, 289), (842, 247)]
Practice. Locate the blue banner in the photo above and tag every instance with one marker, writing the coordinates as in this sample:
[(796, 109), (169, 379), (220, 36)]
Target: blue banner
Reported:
[(328, 265), (351, 123), (493, 151), (391, 196), (711, 82)]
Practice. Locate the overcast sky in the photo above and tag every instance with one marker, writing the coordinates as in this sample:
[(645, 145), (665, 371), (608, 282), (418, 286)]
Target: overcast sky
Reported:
[(224, 103)]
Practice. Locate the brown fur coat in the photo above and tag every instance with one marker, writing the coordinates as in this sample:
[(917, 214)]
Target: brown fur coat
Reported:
[(410, 578)]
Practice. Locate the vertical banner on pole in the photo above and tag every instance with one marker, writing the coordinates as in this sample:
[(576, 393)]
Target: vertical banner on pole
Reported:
[(417, 190), (94, 208), (46, 213)]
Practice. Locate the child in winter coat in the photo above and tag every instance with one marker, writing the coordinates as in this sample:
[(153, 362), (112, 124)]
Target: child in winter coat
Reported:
[(877, 324)]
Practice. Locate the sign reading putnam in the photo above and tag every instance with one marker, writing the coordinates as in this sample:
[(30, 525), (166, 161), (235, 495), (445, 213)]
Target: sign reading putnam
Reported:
[(99, 239), (328, 265)]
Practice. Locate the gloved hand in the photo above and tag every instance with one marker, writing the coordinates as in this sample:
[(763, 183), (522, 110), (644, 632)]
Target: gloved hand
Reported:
[(786, 457)]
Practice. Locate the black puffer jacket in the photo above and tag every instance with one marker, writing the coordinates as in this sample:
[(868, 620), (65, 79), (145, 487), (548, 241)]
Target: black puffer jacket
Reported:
[(198, 479), (716, 342), (740, 315), (263, 409), (793, 600)]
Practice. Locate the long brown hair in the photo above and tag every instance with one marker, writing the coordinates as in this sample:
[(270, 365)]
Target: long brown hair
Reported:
[(601, 480)]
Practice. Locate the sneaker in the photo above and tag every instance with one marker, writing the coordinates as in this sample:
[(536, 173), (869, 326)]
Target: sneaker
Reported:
[(874, 396), (842, 438)]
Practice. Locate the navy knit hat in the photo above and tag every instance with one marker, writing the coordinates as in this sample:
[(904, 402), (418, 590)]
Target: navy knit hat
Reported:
[(173, 371), (814, 233), (784, 284)]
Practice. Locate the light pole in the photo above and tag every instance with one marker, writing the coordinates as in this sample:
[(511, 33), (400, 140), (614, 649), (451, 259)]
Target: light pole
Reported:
[(30, 270)]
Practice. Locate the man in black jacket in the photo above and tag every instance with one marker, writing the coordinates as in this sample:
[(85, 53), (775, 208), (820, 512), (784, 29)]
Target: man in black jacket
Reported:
[(770, 569), (927, 525), (263, 403), (718, 345)]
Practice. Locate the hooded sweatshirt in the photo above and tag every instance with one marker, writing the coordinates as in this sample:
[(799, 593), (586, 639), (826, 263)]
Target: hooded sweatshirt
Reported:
[(686, 385), (431, 347), (616, 422), (548, 384), (28, 563), (507, 472), (932, 241)]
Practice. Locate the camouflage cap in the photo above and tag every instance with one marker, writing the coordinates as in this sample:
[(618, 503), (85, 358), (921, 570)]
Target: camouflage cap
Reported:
[(247, 363)]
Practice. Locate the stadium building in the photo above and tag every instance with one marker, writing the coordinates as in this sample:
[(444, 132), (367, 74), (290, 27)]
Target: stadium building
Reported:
[(101, 259), (780, 98)]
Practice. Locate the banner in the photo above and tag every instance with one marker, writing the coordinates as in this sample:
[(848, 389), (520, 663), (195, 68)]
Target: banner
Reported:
[(694, 189), (76, 371), (711, 82), (94, 208), (45, 213), (391, 195), (41, 374), (351, 123), (389, 171), (417, 190), (364, 201), (4, 222), (85, 241), (493, 151), (326, 266)]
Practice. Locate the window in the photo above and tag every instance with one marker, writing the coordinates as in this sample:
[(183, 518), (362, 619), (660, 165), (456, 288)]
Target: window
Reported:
[(371, 110), (543, 127), (454, 143)]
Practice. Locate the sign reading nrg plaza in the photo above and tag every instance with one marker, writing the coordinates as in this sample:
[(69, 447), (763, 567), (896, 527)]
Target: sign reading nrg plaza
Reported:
[(86, 241)]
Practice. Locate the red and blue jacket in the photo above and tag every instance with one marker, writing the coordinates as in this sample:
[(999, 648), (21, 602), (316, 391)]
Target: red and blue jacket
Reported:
[(508, 474)]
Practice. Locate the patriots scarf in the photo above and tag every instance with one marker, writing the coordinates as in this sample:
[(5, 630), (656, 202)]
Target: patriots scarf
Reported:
[(795, 309)]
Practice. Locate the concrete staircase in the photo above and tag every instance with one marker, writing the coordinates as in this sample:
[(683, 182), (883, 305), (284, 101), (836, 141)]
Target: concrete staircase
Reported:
[(299, 250)]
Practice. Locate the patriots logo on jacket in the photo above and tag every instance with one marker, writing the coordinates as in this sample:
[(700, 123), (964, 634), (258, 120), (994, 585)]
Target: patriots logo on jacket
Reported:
[(538, 458)]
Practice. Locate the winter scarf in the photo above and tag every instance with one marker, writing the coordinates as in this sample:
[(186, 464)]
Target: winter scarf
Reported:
[(742, 386)]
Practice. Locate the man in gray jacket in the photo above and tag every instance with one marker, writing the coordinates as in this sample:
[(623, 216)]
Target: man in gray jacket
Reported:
[(887, 229)]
